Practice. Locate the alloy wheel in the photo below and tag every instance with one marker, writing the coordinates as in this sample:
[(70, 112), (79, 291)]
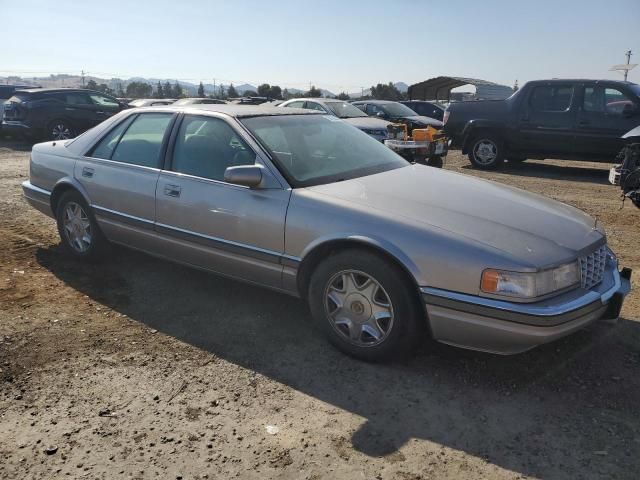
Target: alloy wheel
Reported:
[(77, 227), (485, 151), (60, 131)]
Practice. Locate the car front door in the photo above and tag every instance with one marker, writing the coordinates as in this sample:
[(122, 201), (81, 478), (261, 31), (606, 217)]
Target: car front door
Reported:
[(602, 119), (547, 120), (120, 174), (207, 222), (105, 107)]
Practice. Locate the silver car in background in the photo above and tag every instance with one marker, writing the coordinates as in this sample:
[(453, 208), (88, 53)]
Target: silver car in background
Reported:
[(374, 127), (306, 204)]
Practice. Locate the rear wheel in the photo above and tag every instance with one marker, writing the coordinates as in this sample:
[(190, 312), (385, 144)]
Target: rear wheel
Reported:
[(364, 305), (81, 237), (486, 152), (60, 130)]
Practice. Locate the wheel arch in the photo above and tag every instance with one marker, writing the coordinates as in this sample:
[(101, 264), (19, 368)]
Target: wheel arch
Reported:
[(316, 252), (474, 127), (64, 185)]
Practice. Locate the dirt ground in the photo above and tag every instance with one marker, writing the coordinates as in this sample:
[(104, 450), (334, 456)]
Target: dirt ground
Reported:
[(140, 368)]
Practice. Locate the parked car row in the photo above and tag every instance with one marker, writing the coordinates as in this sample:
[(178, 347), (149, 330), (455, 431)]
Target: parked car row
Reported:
[(296, 200), (63, 113)]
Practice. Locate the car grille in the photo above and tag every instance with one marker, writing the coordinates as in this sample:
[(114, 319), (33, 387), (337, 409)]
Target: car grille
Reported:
[(592, 267)]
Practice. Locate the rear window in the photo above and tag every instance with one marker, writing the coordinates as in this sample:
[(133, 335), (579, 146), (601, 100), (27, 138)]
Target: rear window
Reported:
[(552, 98), (20, 97)]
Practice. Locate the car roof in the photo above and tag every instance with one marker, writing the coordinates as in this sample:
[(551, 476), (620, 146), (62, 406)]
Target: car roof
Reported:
[(578, 80), (380, 102), (234, 110), (45, 90), (315, 99)]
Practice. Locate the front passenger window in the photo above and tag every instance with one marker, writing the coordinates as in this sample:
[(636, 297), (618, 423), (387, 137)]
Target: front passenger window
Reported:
[(206, 146)]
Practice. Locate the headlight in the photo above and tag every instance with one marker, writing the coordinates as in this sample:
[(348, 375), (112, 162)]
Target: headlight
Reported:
[(530, 285)]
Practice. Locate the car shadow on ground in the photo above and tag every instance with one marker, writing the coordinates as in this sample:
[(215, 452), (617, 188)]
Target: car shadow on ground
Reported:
[(569, 171), (543, 413)]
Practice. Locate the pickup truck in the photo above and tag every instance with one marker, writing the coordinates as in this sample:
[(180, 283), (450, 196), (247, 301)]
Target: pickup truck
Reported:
[(563, 119)]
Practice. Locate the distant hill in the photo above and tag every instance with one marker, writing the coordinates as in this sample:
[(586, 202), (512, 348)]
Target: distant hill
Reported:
[(64, 80)]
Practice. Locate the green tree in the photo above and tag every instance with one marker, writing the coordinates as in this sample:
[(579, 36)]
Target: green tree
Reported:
[(159, 90), (104, 88), (139, 90), (264, 90), (249, 93), (167, 90), (275, 92), (177, 90), (286, 95), (386, 92), (343, 96), (201, 90), (313, 92), (231, 91), (92, 85)]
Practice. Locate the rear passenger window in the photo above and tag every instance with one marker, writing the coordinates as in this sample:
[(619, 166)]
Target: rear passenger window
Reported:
[(551, 98), (142, 141), (107, 145), (205, 147)]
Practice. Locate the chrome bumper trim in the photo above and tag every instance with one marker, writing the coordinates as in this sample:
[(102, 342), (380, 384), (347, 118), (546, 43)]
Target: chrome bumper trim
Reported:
[(550, 312)]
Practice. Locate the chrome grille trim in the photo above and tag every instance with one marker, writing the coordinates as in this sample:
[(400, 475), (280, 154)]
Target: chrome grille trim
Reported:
[(592, 267)]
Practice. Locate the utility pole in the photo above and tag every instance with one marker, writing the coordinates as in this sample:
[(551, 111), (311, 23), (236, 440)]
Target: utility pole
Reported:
[(214, 87), (626, 72), (82, 78)]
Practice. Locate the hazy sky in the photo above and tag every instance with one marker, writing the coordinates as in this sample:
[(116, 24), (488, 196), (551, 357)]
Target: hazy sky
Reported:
[(338, 45)]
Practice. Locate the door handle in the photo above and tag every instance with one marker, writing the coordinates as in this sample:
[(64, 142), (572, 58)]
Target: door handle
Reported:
[(87, 172), (584, 123), (172, 190)]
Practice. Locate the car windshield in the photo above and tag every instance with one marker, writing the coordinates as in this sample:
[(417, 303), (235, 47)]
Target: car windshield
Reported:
[(345, 110), (318, 149), (397, 110)]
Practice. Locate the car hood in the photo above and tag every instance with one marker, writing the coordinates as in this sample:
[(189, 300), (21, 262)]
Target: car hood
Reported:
[(368, 123), (533, 229), (423, 121)]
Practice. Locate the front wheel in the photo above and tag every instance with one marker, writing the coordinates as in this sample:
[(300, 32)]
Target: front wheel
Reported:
[(486, 152), (364, 305)]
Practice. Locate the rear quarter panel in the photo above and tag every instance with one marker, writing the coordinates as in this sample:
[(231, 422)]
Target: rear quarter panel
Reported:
[(50, 162)]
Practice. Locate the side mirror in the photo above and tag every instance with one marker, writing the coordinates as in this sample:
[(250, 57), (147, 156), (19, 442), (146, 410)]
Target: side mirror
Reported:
[(629, 110), (381, 115), (245, 175)]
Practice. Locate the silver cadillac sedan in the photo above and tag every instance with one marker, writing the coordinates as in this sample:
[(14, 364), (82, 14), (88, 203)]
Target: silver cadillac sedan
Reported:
[(306, 204)]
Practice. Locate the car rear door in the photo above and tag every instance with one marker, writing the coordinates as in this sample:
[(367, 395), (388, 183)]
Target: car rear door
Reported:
[(207, 222), (601, 120), (120, 174), (547, 119)]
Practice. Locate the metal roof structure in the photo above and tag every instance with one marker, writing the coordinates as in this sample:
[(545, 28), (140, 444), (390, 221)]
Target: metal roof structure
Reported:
[(439, 88)]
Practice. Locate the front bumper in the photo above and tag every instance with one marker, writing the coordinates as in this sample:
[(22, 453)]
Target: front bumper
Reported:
[(16, 127), (506, 328)]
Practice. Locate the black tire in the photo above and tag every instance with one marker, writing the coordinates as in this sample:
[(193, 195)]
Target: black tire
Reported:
[(63, 127), (400, 332), (435, 161), (97, 245), (486, 151)]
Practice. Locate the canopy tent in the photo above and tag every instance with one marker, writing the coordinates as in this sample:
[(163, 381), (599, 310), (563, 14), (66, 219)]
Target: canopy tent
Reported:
[(439, 88)]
